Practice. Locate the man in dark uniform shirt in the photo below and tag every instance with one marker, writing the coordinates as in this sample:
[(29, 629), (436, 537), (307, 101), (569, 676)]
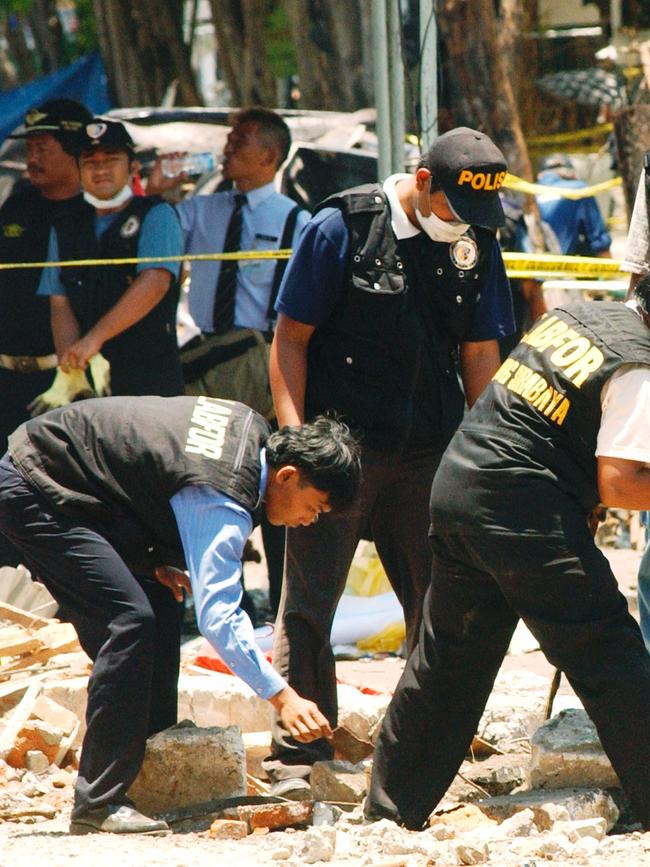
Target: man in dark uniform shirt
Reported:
[(27, 359)]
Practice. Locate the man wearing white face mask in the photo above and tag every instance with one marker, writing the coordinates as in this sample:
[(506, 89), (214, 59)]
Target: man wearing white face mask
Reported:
[(127, 312), (391, 285)]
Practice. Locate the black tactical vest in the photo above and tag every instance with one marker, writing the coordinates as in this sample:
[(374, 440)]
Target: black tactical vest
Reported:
[(94, 290), (542, 409), (116, 462), (25, 222), (365, 360)]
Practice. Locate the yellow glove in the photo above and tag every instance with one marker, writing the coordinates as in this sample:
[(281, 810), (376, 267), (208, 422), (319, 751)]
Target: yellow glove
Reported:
[(100, 371), (66, 388)]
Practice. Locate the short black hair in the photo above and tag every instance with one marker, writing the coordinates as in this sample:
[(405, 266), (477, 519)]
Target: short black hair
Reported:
[(641, 293), (273, 130), (326, 453)]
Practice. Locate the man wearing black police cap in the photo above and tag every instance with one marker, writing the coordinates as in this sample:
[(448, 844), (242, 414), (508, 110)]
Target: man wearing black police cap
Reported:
[(128, 312), (389, 287), (27, 359), (564, 425)]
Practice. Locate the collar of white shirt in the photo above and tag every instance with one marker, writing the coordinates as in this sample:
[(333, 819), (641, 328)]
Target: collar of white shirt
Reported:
[(402, 226), (258, 195)]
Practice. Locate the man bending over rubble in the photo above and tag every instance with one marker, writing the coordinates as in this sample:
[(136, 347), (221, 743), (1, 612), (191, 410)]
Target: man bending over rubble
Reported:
[(564, 425), (99, 494)]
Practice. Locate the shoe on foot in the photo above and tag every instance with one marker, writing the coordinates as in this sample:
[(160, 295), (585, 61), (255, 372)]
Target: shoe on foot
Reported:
[(293, 789), (116, 819)]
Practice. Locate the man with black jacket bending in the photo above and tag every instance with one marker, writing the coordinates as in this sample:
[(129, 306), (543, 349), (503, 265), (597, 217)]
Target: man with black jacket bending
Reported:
[(105, 498), (564, 425), (390, 286)]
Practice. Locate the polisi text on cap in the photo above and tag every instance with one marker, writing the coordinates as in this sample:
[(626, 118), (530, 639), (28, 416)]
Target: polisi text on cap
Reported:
[(481, 180)]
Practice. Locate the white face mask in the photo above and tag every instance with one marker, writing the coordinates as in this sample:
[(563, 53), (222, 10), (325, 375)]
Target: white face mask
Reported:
[(118, 199), (440, 230)]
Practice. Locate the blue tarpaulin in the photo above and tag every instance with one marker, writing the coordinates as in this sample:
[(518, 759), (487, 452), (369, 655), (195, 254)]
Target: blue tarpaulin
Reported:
[(85, 80)]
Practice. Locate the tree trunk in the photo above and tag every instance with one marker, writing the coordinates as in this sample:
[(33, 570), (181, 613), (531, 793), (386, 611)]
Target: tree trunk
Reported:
[(632, 131), (46, 30), (144, 52), (239, 26), (18, 51), (328, 36), (480, 69)]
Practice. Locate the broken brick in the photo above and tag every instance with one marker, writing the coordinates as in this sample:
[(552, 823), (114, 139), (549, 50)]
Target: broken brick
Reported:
[(275, 817), (228, 829)]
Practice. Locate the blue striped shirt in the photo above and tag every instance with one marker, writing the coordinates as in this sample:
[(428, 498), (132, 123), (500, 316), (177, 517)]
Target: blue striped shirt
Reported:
[(213, 530)]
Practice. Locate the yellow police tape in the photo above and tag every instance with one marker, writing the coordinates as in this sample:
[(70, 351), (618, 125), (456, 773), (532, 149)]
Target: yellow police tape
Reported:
[(536, 265), (563, 138), (512, 182), (520, 265), (152, 260)]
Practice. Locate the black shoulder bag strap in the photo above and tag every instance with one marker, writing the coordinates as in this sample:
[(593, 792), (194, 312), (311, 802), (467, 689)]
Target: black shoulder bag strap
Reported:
[(646, 172), (281, 264)]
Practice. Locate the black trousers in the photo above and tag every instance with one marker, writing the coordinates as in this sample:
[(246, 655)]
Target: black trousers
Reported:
[(482, 582), (393, 500), (17, 390), (162, 375), (129, 626)]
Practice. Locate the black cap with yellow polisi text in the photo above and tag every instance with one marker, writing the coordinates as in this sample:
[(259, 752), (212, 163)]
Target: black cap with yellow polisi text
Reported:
[(470, 169)]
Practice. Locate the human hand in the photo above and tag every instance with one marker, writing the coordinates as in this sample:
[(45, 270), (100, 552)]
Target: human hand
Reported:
[(301, 717), (157, 182), (175, 579), (79, 353)]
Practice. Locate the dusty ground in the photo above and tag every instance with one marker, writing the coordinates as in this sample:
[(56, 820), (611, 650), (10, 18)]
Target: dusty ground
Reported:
[(47, 844)]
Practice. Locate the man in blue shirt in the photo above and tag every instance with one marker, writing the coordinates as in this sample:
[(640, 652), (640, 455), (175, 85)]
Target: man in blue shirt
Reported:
[(256, 146), (105, 496), (230, 358), (577, 223), (128, 312), (390, 286)]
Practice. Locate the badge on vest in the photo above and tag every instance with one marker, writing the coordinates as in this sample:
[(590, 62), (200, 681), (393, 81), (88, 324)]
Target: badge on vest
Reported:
[(464, 253), (130, 228)]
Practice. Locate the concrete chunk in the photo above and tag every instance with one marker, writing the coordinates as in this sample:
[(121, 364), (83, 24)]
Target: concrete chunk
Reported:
[(574, 831), (228, 829), (36, 761), (35, 736), (338, 781), (55, 714), (498, 775), (514, 710), (578, 803), (15, 806), (566, 751), (275, 817), (186, 765)]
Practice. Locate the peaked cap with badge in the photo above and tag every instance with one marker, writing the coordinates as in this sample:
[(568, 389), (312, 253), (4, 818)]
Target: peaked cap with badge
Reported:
[(106, 134), (63, 119), (470, 169)]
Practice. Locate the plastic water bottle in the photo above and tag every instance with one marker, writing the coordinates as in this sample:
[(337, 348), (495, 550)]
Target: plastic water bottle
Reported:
[(193, 164)]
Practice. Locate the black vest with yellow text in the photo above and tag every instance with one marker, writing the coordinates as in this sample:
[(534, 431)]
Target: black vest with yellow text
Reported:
[(94, 290), (542, 409), (116, 462), (365, 359)]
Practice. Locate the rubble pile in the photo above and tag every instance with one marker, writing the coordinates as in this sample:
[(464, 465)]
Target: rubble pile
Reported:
[(529, 792), (36, 731)]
